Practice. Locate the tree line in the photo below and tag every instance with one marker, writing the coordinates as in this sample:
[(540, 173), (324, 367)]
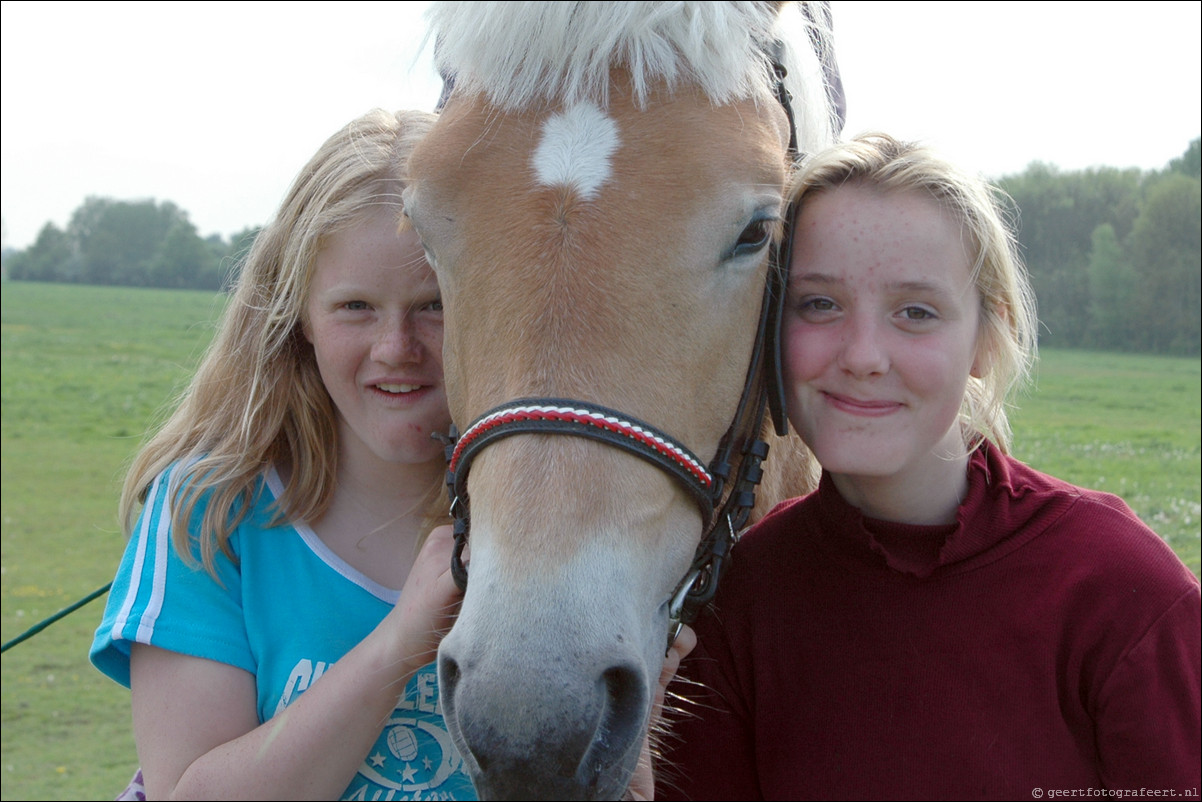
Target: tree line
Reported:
[(1114, 254), (140, 243)]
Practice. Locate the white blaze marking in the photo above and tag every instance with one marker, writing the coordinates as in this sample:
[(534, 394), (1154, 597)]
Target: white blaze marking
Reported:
[(575, 150)]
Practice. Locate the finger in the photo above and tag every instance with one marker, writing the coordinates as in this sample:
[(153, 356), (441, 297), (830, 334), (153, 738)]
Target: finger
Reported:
[(685, 642)]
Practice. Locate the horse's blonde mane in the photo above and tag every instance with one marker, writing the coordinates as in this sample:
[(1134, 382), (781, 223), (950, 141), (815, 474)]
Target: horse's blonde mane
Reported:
[(524, 53)]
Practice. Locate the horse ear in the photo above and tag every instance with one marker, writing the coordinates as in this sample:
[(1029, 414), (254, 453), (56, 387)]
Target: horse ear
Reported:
[(448, 78), (448, 85)]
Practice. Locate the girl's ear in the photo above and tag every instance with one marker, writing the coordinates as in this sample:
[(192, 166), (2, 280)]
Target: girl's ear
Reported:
[(982, 362), (993, 321)]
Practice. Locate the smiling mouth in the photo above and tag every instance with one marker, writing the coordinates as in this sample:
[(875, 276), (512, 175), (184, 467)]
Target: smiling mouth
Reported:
[(859, 407), (398, 389)]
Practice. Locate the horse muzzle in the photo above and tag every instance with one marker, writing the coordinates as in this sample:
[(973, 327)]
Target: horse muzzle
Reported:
[(530, 729)]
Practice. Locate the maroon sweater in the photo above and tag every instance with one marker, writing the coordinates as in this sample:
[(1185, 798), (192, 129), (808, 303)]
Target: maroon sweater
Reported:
[(1047, 640)]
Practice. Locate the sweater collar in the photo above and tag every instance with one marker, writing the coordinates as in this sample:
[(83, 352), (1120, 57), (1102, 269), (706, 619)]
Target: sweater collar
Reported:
[(915, 550)]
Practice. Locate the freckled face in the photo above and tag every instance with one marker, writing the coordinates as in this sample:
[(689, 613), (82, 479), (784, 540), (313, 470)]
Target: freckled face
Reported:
[(374, 318), (881, 333)]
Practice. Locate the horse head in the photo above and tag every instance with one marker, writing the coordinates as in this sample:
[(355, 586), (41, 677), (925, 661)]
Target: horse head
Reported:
[(599, 200)]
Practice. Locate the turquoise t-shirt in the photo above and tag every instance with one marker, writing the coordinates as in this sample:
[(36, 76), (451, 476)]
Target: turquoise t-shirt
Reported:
[(285, 611)]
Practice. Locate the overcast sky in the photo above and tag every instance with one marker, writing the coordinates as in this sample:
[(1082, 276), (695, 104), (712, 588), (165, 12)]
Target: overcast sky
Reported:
[(216, 106)]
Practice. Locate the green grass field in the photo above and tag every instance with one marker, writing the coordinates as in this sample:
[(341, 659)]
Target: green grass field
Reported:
[(85, 372), (1124, 423), (87, 369)]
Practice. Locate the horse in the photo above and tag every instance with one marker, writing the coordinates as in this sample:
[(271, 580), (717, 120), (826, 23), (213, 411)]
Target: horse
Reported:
[(600, 199)]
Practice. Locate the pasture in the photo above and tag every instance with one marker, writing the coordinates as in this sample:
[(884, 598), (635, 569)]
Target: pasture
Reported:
[(86, 370)]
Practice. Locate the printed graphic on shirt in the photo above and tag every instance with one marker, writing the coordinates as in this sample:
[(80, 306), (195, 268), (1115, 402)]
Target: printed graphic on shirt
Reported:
[(304, 674), (413, 758)]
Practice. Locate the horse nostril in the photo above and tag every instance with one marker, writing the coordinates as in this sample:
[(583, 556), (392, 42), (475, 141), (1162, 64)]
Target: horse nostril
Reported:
[(448, 674), (624, 691), (624, 688), (621, 722), (448, 682)]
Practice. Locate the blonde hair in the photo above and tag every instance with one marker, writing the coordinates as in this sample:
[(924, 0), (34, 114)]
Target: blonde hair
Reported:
[(1008, 327), (257, 398)]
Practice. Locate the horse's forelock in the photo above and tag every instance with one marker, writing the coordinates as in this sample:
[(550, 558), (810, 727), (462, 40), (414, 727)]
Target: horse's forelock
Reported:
[(520, 54)]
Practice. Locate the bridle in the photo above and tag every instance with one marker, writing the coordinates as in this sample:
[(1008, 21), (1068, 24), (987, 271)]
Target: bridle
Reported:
[(725, 500)]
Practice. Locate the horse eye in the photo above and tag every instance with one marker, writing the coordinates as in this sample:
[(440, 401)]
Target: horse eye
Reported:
[(753, 238)]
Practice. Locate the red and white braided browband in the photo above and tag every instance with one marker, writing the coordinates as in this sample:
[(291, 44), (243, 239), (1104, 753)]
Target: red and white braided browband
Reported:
[(650, 439)]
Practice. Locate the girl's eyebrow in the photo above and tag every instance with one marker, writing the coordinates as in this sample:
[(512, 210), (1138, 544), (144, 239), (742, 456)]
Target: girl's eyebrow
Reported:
[(918, 286), (817, 278), (921, 286)]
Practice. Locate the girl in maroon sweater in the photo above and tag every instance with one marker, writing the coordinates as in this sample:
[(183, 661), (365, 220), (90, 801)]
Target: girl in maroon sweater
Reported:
[(937, 620)]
